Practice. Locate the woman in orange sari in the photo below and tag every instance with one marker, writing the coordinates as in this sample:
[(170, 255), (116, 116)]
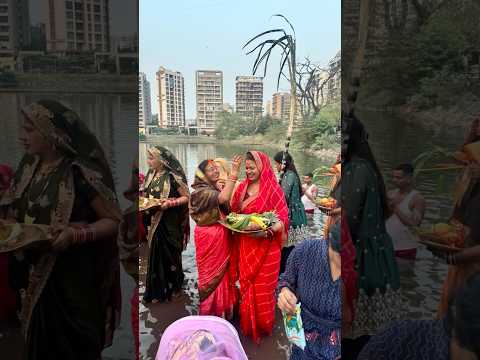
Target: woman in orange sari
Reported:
[(216, 283), (259, 253)]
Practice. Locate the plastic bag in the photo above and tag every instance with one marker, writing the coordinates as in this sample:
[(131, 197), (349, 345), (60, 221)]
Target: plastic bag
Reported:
[(294, 328)]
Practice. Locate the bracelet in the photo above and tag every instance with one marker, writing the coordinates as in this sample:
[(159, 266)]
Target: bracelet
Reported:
[(83, 234), (452, 259)]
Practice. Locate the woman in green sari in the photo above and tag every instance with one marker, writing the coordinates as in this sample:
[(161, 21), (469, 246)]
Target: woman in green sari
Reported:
[(168, 225), (70, 291), (292, 188), (365, 203)]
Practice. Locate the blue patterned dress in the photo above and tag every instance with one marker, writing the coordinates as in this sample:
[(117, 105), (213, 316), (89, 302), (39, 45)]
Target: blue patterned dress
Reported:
[(409, 339), (308, 275)]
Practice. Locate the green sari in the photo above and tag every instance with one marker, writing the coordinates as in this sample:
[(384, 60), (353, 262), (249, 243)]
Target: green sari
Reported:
[(378, 278), (70, 300), (298, 230)]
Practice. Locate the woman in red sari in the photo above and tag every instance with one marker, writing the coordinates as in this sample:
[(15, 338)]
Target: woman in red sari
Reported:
[(259, 254), (216, 283)]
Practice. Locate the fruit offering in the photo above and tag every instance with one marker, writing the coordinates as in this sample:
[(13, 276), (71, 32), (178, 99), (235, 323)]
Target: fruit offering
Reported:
[(243, 222), (451, 234), (327, 202)]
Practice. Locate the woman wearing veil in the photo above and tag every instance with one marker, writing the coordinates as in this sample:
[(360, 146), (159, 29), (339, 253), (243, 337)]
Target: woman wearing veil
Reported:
[(169, 226), (70, 291), (259, 253), (213, 246)]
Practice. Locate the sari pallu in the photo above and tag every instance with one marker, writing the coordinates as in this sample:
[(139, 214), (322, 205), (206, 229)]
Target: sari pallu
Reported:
[(216, 270), (259, 259), (70, 301)]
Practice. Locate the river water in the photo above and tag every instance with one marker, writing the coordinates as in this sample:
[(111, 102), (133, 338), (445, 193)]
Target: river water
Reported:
[(156, 317), (395, 142)]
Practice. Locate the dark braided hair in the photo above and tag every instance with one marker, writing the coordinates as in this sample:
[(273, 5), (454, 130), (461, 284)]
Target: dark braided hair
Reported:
[(289, 165), (355, 143)]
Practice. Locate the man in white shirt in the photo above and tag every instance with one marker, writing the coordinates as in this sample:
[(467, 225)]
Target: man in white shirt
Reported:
[(310, 191), (407, 208)]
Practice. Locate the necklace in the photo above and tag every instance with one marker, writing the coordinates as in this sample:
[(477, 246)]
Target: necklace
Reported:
[(41, 178)]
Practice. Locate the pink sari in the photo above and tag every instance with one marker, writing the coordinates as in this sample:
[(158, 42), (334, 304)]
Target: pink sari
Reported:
[(216, 273), (259, 259)]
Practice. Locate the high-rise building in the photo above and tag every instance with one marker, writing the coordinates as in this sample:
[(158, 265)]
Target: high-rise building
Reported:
[(227, 108), (144, 101), (249, 96), (269, 108), (170, 98), (281, 105), (209, 91), (14, 30), (73, 26)]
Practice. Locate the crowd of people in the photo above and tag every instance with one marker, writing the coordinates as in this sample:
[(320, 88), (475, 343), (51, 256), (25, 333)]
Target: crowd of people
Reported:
[(347, 280)]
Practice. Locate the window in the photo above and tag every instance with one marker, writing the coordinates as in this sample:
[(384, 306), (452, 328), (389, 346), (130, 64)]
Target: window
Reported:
[(96, 8), (4, 38), (69, 5), (78, 6), (80, 37), (79, 26), (70, 36), (98, 47), (98, 37), (98, 28), (89, 7), (69, 15), (4, 28), (97, 18), (69, 25), (71, 46), (3, 9), (3, 19)]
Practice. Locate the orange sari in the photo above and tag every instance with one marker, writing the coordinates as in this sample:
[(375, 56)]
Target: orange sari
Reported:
[(259, 259)]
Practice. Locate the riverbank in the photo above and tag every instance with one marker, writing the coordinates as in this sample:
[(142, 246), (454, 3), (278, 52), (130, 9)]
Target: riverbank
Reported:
[(328, 155), (458, 116)]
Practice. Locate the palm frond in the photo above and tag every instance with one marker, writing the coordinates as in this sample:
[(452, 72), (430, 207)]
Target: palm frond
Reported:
[(262, 34), (288, 22)]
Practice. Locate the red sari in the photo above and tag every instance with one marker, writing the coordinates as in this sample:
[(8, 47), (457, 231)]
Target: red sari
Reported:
[(349, 275), (216, 274), (259, 259)]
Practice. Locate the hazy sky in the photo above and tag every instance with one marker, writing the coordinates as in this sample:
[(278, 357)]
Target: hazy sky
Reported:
[(190, 35)]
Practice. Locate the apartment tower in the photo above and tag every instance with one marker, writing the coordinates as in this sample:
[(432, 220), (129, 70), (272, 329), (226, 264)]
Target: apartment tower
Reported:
[(209, 94), (73, 26), (170, 98), (249, 96)]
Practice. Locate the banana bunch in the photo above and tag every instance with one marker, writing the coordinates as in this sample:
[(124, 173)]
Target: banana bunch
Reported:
[(242, 221)]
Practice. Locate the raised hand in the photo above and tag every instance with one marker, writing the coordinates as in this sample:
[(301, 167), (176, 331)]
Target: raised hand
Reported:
[(236, 164)]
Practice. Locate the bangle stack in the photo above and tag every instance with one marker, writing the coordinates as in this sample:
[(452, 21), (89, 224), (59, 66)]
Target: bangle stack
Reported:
[(269, 233), (83, 234), (451, 259)]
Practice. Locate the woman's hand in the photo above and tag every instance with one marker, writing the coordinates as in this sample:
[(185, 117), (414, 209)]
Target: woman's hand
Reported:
[(236, 164), (287, 301), (62, 238)]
